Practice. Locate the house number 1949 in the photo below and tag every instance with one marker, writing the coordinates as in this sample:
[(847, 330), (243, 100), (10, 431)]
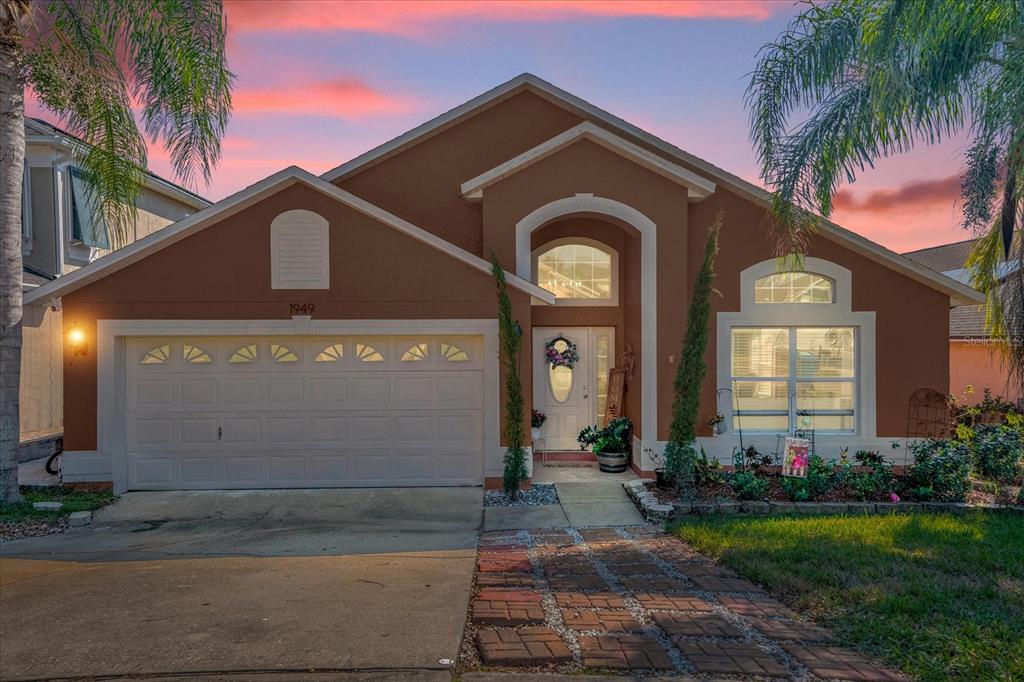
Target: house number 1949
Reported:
[(301, 308)]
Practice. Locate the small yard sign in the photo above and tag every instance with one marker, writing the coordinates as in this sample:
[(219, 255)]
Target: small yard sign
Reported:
[(798, 456)]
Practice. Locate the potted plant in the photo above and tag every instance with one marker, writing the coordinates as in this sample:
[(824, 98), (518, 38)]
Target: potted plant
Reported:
[(537, 419), (612, 444), (716, 423), (663, 478)]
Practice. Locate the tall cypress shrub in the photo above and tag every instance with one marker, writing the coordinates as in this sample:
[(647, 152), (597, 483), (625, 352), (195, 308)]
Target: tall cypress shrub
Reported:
[(510, 341), (679, 454)]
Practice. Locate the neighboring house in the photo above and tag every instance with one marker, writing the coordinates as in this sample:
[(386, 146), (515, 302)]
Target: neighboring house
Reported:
[(59, 235), (341, 330), (974, 358)]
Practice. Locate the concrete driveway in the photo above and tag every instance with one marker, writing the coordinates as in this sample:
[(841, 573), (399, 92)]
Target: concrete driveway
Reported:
[(233, 582)]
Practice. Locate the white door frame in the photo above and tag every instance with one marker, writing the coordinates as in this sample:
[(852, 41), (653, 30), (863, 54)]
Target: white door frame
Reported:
[(110, 368)]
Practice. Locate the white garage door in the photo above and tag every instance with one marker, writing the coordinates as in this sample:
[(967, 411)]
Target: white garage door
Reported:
[(238, 412)]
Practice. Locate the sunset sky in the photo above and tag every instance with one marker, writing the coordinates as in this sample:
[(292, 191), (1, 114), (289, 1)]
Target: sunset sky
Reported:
[(319, 82)]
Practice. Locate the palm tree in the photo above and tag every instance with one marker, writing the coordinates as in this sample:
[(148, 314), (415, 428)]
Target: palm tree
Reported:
[(93, 62), (851, 81)]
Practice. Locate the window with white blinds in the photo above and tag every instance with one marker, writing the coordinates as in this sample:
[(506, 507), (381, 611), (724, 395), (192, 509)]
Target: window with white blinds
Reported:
[(794, 378)]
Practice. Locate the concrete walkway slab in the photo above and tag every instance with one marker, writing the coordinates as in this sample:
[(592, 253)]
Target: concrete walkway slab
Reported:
[(603, 513), (515, 518), (586, 492)]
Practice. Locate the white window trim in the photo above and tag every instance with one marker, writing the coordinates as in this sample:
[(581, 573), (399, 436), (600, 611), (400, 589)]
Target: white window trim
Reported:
[(838, 314), (111, 453), (611, 301)]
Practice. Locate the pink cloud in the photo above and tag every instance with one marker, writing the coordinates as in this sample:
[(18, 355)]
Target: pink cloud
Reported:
[(347, 98), (411, 17), (941, 190)]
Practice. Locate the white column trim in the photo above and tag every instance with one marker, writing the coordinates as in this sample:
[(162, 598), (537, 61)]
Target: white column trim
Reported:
[(110, 366), (588, 203)]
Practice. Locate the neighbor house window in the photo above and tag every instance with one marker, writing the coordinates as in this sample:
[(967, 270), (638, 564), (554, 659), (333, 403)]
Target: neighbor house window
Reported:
[(794, 378), (793, 287), (579, 272), (88, 225)]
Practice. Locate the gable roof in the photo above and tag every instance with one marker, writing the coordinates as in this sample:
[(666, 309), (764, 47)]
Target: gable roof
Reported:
[(698, 186), (959, 294), (44, 132), (241, 200)]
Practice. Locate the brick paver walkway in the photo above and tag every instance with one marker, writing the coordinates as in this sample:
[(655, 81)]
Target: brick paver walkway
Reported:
[(637, 599)]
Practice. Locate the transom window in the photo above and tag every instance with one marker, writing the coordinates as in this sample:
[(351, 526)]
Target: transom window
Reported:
[(794, 378), (576, 271), (793, 287)]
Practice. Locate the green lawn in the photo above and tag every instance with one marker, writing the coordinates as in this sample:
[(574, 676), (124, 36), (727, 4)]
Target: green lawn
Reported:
[(938, 596), (73, 501)]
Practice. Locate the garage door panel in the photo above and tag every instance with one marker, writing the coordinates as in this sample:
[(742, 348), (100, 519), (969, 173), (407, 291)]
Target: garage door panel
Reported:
[(241, 429), (303, 413), (200, 470), (241, 392), (328, 429), (289, 469), (328, 391), (199, 392)]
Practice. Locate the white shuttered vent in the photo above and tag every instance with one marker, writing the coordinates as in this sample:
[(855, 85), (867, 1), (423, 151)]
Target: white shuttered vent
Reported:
[(299, 251)]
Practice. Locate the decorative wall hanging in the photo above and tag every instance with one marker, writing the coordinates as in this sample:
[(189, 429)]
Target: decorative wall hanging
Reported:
[(561, 352)]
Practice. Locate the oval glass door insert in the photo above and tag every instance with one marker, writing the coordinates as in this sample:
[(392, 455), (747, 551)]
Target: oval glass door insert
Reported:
[(560, 378)]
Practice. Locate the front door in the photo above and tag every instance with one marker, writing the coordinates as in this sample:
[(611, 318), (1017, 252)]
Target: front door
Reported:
[(571, 397)]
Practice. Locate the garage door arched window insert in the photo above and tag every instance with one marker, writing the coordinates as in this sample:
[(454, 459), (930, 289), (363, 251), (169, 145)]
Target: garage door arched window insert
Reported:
[(194, 355), (367, 353), (282, 353), (416, 353), (453, 353), (331, 353), (244, 354), (156, 356)]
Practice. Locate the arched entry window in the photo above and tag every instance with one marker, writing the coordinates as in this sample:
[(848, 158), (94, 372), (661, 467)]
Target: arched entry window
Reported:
[(578, 271)]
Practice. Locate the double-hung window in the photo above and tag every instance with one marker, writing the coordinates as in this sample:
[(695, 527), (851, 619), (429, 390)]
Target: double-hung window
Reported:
[(794, 378)]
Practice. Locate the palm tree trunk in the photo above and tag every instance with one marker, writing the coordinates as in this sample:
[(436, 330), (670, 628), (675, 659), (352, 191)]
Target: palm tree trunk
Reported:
[(12, 167)]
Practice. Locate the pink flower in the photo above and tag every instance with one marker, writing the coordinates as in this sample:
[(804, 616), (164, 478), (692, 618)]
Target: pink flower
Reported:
[(893, 497)]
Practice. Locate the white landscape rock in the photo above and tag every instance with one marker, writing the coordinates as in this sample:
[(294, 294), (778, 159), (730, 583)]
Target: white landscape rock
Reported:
[(48, 506), (80, 518)]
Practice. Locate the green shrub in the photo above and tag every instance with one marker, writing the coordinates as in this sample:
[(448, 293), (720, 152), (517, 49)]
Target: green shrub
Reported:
[(615, 438), (998, 452), (944, 466), (870, 479), (821, 478), (748, 485)]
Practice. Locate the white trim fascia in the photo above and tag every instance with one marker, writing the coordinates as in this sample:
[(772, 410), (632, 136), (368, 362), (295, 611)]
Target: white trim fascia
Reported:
[(588, 203), (151, 181), (110, 368), (186, 227), (959, 294), (699, 187)]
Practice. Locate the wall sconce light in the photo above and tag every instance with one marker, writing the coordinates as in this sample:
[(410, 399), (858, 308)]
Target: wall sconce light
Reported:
[(76, 341)]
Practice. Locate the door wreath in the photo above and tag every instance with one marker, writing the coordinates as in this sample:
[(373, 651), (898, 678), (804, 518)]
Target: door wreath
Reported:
[(568, 356)]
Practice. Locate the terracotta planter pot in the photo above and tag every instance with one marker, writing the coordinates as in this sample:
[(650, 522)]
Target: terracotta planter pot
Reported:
[(612, 462)]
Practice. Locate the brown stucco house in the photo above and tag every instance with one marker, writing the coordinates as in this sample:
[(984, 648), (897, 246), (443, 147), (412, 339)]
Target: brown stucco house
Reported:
[(341, 330)]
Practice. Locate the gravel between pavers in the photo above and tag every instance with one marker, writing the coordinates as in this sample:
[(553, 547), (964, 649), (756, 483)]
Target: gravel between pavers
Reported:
[(539, 494), (31, 528)]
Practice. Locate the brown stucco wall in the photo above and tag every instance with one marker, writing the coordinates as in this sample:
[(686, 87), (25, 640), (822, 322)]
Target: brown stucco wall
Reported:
[(421, 184), (911, 322), (979, 364), (223, 272)]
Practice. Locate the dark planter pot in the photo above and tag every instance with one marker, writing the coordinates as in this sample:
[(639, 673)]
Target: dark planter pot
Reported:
[(612, 462), (663, 479)]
